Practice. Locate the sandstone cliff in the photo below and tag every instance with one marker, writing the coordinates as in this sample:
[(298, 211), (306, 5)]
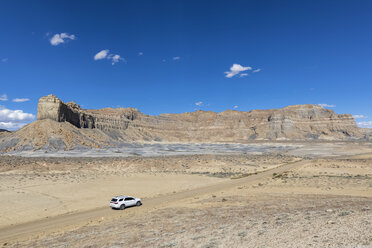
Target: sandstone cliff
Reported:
[(298, 122)]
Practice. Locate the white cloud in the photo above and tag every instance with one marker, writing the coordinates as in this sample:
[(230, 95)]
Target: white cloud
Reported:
[(200, 103), (115, 58), (8, 115), (243, 75), (21, 99), (11, 125), (359, 116), (61, 38), (14, 119), (235, 107), (104, 54), (325, 105), (101, 55), (4, 60), (236, 69), (365, 124), (176, 58), (256, 70), (3, 97), (140, 53)]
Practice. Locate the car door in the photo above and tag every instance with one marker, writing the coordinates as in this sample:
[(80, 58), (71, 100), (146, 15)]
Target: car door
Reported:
[(129, 201)]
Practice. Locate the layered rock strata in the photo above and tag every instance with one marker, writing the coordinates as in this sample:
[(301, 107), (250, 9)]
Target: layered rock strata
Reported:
[(297, 122)]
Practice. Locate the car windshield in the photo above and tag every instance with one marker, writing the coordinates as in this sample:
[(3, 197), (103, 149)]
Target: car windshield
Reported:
[(114, 199)]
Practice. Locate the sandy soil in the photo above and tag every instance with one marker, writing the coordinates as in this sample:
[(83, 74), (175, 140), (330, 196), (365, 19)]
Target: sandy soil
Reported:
[(345, 176), (32, 188), (30, 201), (322, 202), (250, 221)]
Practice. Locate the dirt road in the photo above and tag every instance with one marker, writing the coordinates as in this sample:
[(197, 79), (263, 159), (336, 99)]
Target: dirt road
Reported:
[(75, 220)]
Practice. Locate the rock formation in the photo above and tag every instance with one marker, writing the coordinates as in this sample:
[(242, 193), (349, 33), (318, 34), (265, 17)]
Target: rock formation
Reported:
[(298, 122), (367, 132), (4, 131), (50, 107)]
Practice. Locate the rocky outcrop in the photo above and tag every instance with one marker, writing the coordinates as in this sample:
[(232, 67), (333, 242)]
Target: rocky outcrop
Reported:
[(298, 122), (50, 107), (4, 131), (367, 132)]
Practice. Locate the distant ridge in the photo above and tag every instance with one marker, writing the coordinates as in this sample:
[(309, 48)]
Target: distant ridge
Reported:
[(62, 125)]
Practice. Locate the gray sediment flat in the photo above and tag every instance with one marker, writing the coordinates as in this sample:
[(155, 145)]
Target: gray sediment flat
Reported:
[(170, 149)]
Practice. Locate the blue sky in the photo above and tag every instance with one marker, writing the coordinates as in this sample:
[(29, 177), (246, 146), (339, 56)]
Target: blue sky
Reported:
[(179, 56)]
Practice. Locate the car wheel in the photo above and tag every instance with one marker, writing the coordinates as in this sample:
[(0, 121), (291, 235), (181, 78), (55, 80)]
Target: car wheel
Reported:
[(122, 207), (138, 203)]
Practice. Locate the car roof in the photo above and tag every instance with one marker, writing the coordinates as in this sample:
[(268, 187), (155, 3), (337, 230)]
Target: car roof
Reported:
[(122, 196)]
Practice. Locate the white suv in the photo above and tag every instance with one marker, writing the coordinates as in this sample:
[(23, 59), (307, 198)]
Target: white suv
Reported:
[(121, 202)]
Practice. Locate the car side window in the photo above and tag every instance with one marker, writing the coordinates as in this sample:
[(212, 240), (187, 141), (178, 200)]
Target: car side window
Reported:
[(127, 199), (130, 198), (121, 200)]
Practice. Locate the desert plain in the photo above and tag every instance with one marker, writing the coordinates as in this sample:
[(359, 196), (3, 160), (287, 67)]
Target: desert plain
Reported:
[(304, 195)]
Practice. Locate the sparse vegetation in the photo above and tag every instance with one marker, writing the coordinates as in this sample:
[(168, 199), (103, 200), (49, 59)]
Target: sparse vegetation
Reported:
[(298, 204)]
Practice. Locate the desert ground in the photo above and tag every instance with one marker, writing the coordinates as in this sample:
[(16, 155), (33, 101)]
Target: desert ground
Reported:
[(317, 195)]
